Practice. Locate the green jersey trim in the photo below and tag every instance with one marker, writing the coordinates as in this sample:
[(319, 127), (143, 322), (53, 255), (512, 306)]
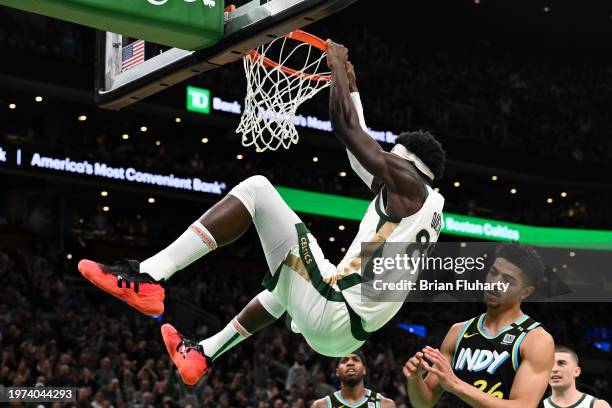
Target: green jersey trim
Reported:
[(574, 405)]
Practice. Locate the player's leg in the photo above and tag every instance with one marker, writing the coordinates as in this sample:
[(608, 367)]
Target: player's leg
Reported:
[(193, 358), (253, 201)]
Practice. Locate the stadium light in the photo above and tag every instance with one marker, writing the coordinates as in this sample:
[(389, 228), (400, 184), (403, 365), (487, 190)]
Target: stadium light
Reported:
[(106, 208), (125, 136), (513, 191), (82, 118), (104, 193), (563, 194), (343, 174), (38, 99), (12, 106), (178, 120), (549, 200), (143, 129), (418, 330), (341, 227), (332, 239), (315, 159), (157, 143), (69, 256), (572, 254), (343, 249), (151, 200), (239, 156), (204, 140), (494, 178), (456, 184)]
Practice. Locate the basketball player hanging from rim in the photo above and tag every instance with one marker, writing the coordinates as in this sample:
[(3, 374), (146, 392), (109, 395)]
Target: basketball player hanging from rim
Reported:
[(323, 300), (500, 359)]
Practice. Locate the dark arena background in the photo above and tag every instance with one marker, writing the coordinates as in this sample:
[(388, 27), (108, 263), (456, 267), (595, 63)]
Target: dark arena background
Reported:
[(519, 93)]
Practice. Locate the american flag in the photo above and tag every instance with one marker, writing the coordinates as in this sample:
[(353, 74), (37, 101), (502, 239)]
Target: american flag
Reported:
[(132, 55)]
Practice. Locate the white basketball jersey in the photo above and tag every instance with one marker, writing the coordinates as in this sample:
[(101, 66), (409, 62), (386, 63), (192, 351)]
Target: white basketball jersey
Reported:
[(378, 227), (586, 401)]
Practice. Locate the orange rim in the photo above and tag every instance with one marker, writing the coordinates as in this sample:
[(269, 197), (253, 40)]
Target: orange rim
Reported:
[(297, 35)]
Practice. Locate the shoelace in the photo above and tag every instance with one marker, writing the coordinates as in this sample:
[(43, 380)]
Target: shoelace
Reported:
[(129, 276), (186, 345)]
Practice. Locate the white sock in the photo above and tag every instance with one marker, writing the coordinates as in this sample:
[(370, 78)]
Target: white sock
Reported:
[(227, 338), (193, 244)]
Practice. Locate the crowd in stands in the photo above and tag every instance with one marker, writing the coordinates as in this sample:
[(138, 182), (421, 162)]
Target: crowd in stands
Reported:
[(30, 34), (180, 151), (56, 330), (524, 101), (474, 97)]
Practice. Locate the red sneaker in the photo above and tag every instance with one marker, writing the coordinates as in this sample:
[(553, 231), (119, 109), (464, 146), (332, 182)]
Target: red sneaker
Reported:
[(188, 355), (145, 294)]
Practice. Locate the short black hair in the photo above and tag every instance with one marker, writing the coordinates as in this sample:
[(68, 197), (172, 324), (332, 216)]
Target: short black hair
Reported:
[(565, 349), (427, 148), (525, 258), (358, 352)]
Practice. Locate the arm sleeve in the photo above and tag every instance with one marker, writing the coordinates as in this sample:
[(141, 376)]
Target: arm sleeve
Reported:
[(363, 174)]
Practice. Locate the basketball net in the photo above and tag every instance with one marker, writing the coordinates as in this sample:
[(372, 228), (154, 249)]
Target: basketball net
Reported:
[(274, 91)]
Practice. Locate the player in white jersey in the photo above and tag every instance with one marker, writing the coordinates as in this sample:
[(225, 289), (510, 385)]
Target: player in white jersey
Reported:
[(563, 383), (322, 300)]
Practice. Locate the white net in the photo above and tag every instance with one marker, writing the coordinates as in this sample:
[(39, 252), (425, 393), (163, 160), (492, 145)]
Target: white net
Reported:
[(274, 92)]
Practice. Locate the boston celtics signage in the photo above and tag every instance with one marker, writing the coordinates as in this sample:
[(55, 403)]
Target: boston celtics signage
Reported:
[(469, 226), (309, 202)]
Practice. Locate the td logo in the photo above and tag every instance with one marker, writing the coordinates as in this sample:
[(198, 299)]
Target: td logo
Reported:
[(198, 100)]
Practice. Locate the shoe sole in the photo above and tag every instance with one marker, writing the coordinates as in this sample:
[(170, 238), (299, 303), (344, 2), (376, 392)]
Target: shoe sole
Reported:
[(149, 300), (188, 373)]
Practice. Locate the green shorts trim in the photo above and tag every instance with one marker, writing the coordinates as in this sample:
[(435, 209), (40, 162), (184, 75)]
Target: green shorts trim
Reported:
[(327, 291)]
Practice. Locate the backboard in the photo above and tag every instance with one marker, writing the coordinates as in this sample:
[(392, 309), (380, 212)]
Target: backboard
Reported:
[(251, 24)]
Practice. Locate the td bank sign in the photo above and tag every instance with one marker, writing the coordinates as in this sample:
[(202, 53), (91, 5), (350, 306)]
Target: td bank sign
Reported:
[(198, 100)]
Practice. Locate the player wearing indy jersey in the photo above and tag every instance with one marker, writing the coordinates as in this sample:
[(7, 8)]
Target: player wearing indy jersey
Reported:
[(500, 359), (351, 371), (321, 299)]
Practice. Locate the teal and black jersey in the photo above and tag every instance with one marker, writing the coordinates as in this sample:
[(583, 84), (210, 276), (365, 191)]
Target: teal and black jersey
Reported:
[(370, 400), (490, 362)]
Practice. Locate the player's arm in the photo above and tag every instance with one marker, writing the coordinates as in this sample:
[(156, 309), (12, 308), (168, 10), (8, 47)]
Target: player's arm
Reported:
[(530, 381), (425, 392), (601, 404), (320, 403), (385, 166), (368, 178), (387, 403)]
